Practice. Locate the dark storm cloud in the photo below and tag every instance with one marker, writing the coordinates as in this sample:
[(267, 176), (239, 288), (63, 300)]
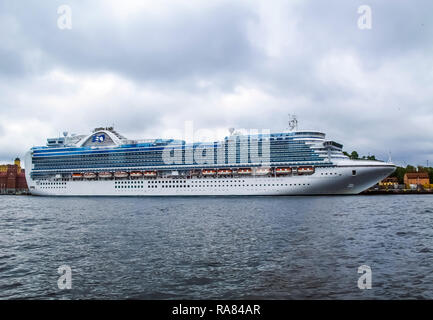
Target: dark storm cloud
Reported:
[(148, 66), (398, 27), (209, 41)]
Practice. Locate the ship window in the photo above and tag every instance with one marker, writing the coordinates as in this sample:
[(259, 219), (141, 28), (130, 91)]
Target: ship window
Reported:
[(353, 172)]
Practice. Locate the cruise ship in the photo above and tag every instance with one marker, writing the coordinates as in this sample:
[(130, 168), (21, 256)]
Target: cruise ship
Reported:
[(105, 163)]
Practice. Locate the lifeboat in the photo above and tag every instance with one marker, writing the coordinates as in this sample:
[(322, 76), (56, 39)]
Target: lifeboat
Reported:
[(136, 174), (89, 175), (121, 174), (303, 170), (244, 171), (105, 175), (263, 171), (149, 173), (208, 172), (283, 170), (223, 172), (77, 175)]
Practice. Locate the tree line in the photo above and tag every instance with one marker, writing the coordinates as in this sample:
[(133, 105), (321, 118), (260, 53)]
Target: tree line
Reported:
[(355, 156)]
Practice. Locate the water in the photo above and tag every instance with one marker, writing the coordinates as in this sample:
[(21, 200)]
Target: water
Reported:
[(217, 248)]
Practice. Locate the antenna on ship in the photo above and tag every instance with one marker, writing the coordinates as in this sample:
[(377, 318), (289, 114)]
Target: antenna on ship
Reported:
[(293, 122)]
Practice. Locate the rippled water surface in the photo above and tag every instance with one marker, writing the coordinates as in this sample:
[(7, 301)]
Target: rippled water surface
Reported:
[(217, 248)]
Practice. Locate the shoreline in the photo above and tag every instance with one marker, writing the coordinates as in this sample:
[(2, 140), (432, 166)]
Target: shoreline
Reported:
[(363, 193), (392, 192)]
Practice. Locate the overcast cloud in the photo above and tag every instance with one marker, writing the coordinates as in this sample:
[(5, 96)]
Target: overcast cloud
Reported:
[(149, 66)]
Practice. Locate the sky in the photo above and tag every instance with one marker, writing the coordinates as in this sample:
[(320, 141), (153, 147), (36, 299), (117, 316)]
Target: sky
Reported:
[(148, 67)]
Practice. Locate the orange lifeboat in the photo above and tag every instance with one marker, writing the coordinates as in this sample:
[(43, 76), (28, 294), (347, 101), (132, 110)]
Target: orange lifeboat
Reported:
[(283, 170), (208, 172), (77, 175), (136, 174), (305, 170), (105, 175), (149, 173), (121, 174), (89, 175), (223, 172), (263, 171), (244, 171)]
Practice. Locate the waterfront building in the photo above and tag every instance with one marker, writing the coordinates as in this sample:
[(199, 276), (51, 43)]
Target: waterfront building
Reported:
[(12, 178), (415, 179), (389, 182)]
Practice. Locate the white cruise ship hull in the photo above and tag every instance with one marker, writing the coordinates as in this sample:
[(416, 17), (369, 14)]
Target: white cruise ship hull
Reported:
[(350, 177)]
